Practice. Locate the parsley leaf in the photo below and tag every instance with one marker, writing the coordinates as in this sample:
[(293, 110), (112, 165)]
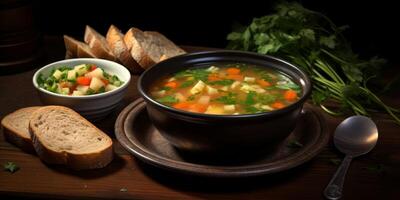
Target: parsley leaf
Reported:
[(224, 82), (11, 167), (228, 99), (168, 99)]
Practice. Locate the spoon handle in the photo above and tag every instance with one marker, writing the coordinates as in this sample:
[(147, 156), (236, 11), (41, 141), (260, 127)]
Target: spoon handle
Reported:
[(334, 188)]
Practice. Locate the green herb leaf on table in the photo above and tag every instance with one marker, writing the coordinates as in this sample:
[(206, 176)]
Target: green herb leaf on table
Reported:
[(376, 168), (335, 161), (294, 144), (11, 167)]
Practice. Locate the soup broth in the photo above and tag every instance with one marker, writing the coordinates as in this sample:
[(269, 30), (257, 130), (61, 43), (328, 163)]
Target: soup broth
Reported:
[(227, 89)]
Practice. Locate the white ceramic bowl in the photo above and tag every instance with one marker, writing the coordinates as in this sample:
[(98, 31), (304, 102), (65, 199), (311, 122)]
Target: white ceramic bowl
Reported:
[(94, 106)]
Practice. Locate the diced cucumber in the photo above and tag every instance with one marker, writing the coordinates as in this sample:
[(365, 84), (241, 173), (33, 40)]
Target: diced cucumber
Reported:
[(110, 87), (98, 73), (71, 76), (117, 83), (57, 74), (81, 69), (82, 88), (64, 91), (78, 93), (96, 84)]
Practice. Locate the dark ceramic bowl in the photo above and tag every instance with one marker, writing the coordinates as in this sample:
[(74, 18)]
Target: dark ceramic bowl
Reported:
[(196, 132)]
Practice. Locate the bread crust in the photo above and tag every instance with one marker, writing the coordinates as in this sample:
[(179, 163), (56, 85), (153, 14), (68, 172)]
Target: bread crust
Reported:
[(115, 40), (73, 160), (14, 136), (98, 47)]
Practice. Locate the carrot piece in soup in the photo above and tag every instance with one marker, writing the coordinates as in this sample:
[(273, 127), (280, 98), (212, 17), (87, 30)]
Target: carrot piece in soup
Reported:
[(213, 77), (171, 84), (233, 71), (263, 83), (278, 105), (236, 77), (290, 95), (182, 105), (83, 80), (200, 108)]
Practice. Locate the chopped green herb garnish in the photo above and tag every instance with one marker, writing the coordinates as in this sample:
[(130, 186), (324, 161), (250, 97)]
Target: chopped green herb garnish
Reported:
[(187, 83), (224, 82), (250, 98), (191, 97), (11, 167), (166, 88), (168, 99), (227, 99), (335, 161)]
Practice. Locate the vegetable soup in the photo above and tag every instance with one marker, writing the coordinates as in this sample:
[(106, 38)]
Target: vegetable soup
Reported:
[(227, 89)]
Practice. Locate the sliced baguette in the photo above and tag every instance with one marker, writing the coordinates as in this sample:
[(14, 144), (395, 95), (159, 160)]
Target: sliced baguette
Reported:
[(75, 48), (115, 40), (16, 128), (84, 51), (149, 47), (62, 136), (98, 44), (71, 45)]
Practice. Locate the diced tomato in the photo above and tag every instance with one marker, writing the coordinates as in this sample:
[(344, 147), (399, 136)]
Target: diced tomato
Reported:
[(290, 95), (171, 84), (278, 105), (263, 83), (93, 67), (105, 81), (83, 80), (233, 71)]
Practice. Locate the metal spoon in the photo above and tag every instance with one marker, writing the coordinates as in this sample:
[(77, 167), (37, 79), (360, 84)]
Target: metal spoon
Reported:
[(355, 136)]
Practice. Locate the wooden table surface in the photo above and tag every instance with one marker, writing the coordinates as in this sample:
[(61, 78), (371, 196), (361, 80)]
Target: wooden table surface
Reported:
[(128, 178)]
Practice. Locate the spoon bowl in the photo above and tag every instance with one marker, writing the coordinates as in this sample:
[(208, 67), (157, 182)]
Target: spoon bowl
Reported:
[(355, 136)]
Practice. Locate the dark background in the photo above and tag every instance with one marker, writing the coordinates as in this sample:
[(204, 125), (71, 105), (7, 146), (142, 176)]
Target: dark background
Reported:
[(373, 24)]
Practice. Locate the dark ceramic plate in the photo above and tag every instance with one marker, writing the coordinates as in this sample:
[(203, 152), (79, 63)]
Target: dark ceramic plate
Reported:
[(137, 134)]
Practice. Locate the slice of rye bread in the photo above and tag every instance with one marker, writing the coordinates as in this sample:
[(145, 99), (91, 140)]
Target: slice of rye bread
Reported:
[(62, 136), (16, 128), (98, 44), (75, 48), (149, 47), (115, 40)]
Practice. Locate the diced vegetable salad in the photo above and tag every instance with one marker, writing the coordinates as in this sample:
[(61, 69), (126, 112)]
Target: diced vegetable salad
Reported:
[(227, 89), (80, 80)]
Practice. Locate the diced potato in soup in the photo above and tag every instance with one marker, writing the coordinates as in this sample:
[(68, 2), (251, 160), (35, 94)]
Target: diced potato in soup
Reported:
[(227, 89), (80, 80)]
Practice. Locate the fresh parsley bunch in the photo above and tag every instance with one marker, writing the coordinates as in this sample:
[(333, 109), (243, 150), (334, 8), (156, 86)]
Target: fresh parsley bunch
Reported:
[(313, 42)]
